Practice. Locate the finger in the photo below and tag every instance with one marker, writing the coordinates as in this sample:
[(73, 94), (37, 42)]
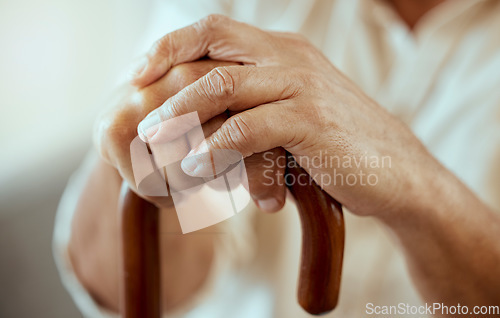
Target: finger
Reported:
[(215, 36), (177, 78), (209, 128), (265, 173), (168, 155), (165, 157), (262, 176), (233, 88), (253, 131)]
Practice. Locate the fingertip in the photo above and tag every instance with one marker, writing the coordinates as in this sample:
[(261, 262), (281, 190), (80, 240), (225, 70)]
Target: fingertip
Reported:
[(137, 70), (150, 73), (143, 77), (270, 205), (149, 126), (139, 80)]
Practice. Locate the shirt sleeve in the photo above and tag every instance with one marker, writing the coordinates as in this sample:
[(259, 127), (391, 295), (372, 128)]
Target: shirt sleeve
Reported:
[(62, 233), (236, 246)]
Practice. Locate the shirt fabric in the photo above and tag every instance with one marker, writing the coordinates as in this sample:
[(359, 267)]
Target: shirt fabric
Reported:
[(441, 79)]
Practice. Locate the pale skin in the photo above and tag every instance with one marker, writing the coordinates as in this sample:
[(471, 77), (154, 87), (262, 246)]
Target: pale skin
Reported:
[(449, 237)]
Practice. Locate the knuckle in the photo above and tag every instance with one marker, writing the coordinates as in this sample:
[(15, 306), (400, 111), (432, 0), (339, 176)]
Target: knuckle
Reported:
[(309, 78), (163, 46), (183, 74), (173, 108), (304, 76), (154, 94), (101, 128), (114, 132), (219, 82), (237, 133), (313, 113), (296, 85), (212, 21), (303, 47)]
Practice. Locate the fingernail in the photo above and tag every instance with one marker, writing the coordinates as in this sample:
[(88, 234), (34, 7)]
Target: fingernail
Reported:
[(193, 167), (269, 205), (198, 162), (149, 126), (189, 164), (138, 68)]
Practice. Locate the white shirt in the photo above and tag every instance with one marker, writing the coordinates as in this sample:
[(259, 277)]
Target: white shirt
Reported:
[(442, 79)]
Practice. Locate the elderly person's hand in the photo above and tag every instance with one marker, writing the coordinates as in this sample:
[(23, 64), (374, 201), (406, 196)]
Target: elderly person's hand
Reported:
[(287, 94), (187, 259), (116, 128)]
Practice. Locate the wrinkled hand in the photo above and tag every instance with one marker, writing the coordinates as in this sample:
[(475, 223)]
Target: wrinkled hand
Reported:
[(117, 126), (286, 93)]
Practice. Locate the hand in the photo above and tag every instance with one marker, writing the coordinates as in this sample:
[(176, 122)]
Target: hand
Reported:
[(117, 127), (291, 97)]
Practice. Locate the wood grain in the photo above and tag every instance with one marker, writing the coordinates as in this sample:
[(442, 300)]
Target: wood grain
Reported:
[(140, 262), (322, 225)]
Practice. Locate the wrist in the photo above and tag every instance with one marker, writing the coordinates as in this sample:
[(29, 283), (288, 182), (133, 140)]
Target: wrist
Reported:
[(422, 197)]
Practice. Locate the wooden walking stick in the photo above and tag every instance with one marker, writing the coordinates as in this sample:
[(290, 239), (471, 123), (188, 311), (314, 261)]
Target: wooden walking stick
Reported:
[(140, 256), (321, 260)]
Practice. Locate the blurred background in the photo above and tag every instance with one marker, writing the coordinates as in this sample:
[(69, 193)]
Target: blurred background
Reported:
[(59, 60)]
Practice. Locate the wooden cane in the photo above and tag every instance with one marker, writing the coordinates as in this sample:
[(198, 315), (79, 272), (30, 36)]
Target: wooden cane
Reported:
[(140, 257), (322, 225), (321, 260)]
